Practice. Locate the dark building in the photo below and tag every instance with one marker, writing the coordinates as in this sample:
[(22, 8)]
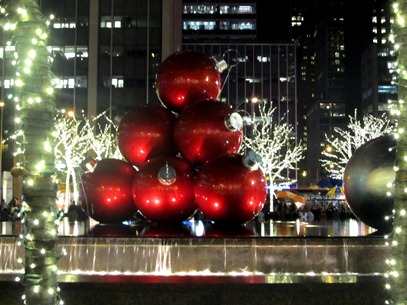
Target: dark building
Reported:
[(378, 62), (106, 52), (318, 28), (344, 59)]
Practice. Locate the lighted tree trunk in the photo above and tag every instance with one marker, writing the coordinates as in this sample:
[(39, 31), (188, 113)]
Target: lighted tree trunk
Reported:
[(398, 262), (37, 110)]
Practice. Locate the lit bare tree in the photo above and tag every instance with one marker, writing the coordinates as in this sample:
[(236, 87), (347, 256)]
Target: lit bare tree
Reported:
[(103, 138), (79, 138), (343, 142), (275, 143), (70, 149)]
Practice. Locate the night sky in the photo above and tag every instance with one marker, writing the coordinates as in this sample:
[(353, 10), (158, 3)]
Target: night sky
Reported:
[(273, 24)]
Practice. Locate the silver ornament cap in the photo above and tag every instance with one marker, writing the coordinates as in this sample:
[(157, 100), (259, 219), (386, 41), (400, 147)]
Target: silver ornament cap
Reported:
[(167, 175), (252, 160), (234, 122)]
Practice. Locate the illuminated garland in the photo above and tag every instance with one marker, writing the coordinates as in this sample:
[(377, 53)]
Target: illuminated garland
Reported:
[(396, 277), (35, 113)]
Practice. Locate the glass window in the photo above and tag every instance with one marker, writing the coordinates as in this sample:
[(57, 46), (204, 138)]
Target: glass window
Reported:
[(109, 21)]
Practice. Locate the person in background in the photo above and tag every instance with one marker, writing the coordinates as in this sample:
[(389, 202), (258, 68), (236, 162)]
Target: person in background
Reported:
[(14, 209), (76, 213), (4, 212)]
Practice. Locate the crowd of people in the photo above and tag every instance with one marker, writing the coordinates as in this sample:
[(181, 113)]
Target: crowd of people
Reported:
[(10, 211), (285, 209)]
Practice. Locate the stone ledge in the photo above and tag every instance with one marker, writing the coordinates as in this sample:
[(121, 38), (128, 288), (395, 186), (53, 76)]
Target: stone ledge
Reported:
[(265, 260)]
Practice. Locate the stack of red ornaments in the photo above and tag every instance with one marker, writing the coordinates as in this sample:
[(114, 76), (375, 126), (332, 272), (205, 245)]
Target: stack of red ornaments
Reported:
[(180, 156)]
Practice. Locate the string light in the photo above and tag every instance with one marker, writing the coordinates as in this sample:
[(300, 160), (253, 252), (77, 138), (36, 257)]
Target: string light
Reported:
[(396, 276), (35, 111)]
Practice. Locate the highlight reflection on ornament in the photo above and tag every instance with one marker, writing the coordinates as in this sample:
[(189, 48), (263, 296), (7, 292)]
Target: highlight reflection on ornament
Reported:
[(206, 130), (186, 77), (163, 190), (106, 193), (229, 191), (146, 132)]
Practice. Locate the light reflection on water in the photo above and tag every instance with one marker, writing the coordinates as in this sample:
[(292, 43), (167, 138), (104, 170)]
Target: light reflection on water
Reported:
[(198, 228)]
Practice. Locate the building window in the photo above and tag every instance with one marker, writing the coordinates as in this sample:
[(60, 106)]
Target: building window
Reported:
[(8, 83), (245, 9), (117, 82), (70, 83), (199, 9), (64, 25), (199, 25), (387, 89), (109, 22), (70, 51)]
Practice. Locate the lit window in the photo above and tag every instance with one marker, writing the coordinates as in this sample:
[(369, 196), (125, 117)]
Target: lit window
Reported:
[(64, 25), (245, 9), (108, 22), (71, 83), (117, 83), (262, 59), (8, 83)]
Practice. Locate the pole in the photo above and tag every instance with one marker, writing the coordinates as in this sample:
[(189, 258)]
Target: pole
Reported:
[(1, 148), (1, 113)]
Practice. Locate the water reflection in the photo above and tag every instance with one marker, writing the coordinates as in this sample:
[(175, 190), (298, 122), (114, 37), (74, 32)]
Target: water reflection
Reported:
[(199, 228)]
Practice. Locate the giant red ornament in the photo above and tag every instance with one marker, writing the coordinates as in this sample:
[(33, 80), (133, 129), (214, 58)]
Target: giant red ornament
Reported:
[(146, 132), (206, 130), (106, 193), (231, 188), (186, 77), (163, 190)]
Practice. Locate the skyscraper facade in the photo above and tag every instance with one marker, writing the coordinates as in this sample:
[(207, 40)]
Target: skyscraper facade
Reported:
[(378, 61), (318, 28)]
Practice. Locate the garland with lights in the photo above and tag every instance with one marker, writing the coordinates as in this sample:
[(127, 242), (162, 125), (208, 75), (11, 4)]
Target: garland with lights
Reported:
[(35, 114), (396, 277)]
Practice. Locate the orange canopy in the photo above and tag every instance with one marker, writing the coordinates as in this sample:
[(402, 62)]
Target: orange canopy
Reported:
[(291, 195)]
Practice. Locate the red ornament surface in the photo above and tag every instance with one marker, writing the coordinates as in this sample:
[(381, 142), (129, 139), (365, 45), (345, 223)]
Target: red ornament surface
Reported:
[(226, 191), (146, 132), (186, 77), (106, 193), (168, 201), (200, 132)]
